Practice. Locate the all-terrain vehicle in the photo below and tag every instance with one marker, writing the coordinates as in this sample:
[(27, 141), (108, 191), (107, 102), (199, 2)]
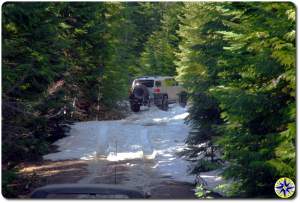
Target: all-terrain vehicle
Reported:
[(160, 90)]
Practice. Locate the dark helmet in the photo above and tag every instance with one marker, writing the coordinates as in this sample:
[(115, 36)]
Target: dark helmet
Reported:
[(140, 91)]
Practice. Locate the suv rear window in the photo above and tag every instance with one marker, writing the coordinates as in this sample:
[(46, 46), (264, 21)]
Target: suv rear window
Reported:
[(147, 83)]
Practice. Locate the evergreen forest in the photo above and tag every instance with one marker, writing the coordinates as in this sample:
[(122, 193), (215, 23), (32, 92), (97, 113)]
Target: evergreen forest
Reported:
[(64, 62)]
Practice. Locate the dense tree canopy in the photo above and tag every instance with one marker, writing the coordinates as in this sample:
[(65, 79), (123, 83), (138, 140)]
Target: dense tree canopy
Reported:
[(241, 57), (63, 62)]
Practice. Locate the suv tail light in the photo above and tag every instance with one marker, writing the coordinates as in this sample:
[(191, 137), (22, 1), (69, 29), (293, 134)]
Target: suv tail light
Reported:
[(156, 90)]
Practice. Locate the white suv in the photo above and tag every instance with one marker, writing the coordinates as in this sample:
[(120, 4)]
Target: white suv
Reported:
[(161, 90)]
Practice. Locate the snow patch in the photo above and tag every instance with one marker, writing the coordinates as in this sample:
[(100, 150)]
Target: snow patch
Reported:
[(151, 134)]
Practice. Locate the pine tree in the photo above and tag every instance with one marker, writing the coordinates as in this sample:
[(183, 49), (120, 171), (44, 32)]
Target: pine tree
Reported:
[(32, 62), (242, 57), (196, 67), (258, 99), (62, 60), (159, 54)]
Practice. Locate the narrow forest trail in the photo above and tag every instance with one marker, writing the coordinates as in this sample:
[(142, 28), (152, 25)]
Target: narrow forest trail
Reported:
[(140, 151)]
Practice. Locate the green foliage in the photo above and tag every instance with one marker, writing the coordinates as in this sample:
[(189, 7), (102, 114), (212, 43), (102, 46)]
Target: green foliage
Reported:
[(205, 165), (158, 56), (60, 56), (236, 60), (196, 70), (8, 176), (200, 192), (242, 55)]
